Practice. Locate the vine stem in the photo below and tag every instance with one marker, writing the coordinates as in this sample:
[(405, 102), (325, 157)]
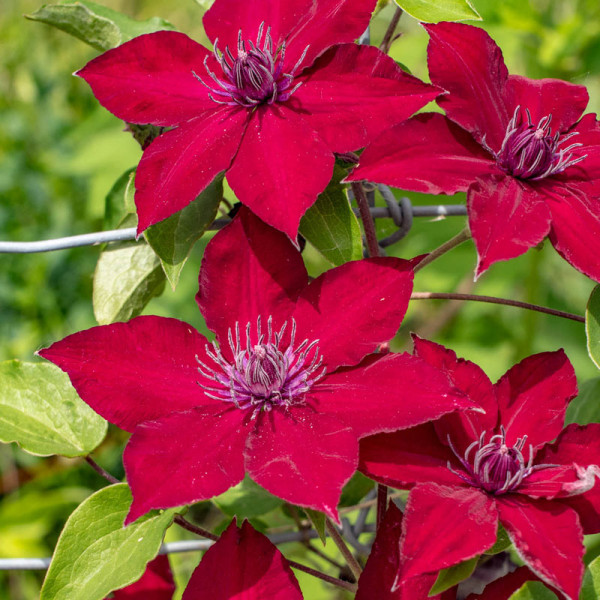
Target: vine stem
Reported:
[(382, 502), (367, 219), (100, 470), (457, 240), (195, 529), (494, 300), (346, 553), (388, 38), (351, 587)]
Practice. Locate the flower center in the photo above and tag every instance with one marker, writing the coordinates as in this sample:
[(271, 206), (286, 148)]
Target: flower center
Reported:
[(255, 76), (531, 151), (265, 374)]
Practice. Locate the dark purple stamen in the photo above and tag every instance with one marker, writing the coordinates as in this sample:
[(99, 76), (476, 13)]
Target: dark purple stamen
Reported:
[(263, 375), (496, 468), (255, 76), (531, 151)]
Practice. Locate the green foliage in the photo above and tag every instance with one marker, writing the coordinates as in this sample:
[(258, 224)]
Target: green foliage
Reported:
[(591, 581), (502, 541), (586, 407), (247, 500), (318, 522), (533, 590), (453, 575), (40, 410), (95, 554), (432, 11), (592, 326)]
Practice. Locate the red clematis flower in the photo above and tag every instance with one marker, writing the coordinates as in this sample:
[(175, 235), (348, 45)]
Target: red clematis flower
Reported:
[(515, 145), (282, 91), (471, 471), (284, 392)]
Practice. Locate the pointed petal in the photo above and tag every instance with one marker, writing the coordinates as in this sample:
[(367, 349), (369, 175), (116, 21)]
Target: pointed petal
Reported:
[(587, 506), (428, 154), (185, 457), (445, 525), (150, 79), (179, 164), (466, 61), (155, 584), (548, 537), (388, 392), (542, 97), (303, 457), (127, 372), (506, 217), (588, 135), (352, 93), (533, 397), (505, 587), (243, 564), (371, 314), (249, 269), (406, 457), (281, 167)]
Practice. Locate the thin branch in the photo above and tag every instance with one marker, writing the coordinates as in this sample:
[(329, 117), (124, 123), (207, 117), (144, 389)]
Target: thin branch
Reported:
[(388, 38), (195, 529), (367, 219), (351, 587), (100, 470), (452, 243), (494, 300), (339, 542)]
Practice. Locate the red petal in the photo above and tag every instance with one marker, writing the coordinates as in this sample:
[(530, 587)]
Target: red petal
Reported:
[(243, 565), (371, 314), (150, 79), (281, 167), (353, 93), (548, 537), (587, 507), (445, 525), (302, 457), (179, 164), (185, 457), (506, 217), (249, 269), (466, 61), (428, 154), (533, 397), (388, 392), (127, 372), (542, 97), (588, 130), (505, 587), (403, 458), (155, 584)]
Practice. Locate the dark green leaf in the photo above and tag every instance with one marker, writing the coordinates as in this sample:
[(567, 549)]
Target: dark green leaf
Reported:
[(591, 581), (592, 325), (246, 500), (502, 541), (533, 590), (318, 520), (117, 202), (453, 575), (586, 407), (356, 489)]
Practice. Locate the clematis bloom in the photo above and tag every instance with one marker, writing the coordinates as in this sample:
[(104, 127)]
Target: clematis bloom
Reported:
[(469, 472), (285, 391), (517, 146), (283, 90)]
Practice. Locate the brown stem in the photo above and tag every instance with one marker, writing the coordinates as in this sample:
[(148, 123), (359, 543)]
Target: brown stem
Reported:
[(458, 239), (382, 501), (195, 529), (388, 38), (351, 587), (494, 300), (367, 219), (339, 542), (100, 470)]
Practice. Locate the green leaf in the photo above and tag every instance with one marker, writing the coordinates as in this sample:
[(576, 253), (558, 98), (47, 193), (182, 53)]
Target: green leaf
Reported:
[(318, 520), (174, 238), (95, 554), (533, 590), (591, 581), (116, 204), (502, 541), (247, 500), (586, 407), (592, 325), (432, 11), (355, 490), (453, 575), (41, 411), (331, 226), (96, 25)]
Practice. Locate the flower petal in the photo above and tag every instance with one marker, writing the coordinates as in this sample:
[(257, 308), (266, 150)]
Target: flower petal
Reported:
[(443, 526), (548, 537), (127, 372), (303, 457), (150, 79), (504, 587), (155, 584), (466, 61), (243, 563), (185, 457), (281, 167), (249, 269), (388, 392), (179, 164), (428, 154), (353, 93), (370, 314), (506, 217), (588, 135), (533, 397)]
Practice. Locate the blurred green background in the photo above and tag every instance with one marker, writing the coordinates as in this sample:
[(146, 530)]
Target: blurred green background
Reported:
[(60, 153)]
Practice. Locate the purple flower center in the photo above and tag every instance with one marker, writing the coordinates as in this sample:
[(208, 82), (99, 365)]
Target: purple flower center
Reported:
[(531, 151), (263, 374), (255, 76)]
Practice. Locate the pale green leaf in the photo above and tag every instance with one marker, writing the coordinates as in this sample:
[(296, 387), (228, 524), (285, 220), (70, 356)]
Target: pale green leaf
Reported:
[(95, 554), (432, 11), (448, 578), (41, 411), (533, 590), (591, 581), (592, 326), (174, 238), (247, 500)]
